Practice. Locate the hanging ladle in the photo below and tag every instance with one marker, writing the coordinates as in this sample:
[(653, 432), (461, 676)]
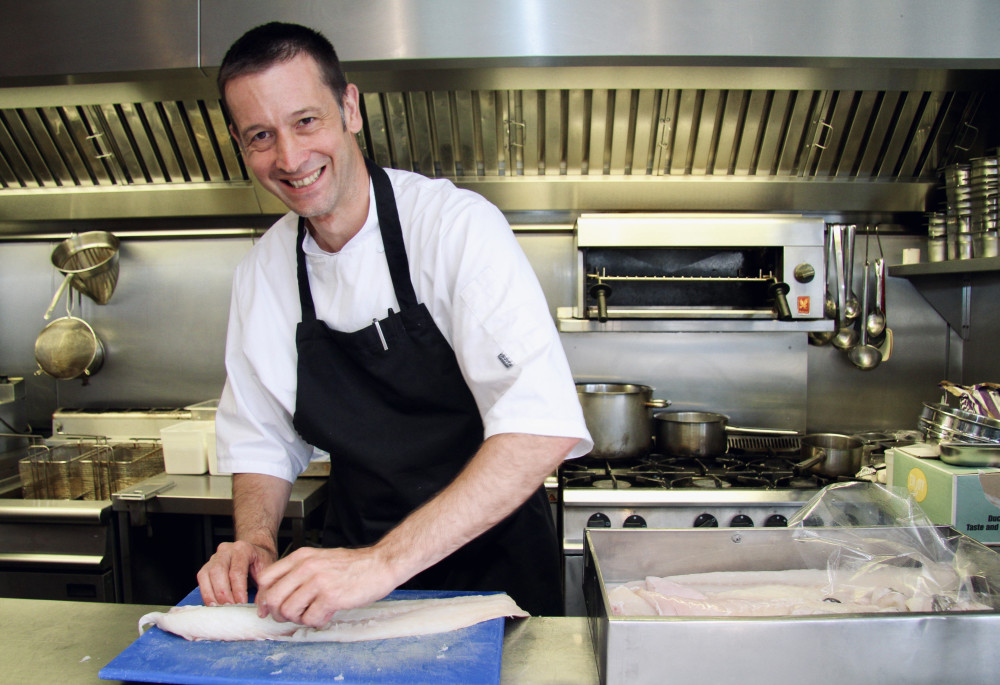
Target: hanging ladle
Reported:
[(875, 322), (846, 336), (864, 355)]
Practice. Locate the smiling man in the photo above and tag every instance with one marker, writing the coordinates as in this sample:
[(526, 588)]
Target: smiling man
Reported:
[(393, 322)]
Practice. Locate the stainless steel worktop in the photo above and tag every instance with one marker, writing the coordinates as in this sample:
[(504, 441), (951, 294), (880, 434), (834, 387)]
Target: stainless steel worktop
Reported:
[(208, 495), (47, 642)]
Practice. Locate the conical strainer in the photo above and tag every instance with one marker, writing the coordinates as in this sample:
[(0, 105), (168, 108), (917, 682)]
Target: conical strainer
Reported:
[(92, 260)]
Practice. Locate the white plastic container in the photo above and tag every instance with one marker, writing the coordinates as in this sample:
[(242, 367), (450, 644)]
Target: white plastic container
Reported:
[(185, 446)]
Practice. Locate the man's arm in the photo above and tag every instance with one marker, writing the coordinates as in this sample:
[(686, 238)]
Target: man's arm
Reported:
[(259, 503), (310, 584)]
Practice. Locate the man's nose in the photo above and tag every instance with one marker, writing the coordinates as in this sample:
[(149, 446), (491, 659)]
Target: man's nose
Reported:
[(289, 153)]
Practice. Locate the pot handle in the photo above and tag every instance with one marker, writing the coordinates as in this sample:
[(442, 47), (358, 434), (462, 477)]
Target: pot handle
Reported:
[(59, 292), (658, 404), (819, 456)]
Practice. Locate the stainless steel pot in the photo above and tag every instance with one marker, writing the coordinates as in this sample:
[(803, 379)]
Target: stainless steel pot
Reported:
[(831, 454), (700, 433), (619, 418), (691, 433)]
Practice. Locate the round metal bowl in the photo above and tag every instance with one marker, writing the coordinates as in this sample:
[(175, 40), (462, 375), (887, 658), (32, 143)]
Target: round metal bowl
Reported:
[(941, 421)]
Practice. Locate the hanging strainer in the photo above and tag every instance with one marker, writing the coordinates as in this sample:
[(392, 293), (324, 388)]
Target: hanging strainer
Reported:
[(68, 348), (91, 259)]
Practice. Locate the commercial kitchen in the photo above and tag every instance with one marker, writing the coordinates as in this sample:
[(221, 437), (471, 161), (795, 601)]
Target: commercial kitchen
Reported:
[(704, 190)]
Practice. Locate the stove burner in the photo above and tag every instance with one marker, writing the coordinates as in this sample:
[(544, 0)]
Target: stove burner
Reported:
[(769, 470), (611, 484), (703, 482)]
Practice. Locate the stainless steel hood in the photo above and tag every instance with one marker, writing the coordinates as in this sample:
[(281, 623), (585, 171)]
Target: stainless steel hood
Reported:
[(723, 123)]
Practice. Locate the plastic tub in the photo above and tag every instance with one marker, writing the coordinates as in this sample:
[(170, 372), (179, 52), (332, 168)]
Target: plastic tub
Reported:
[(185, 446)]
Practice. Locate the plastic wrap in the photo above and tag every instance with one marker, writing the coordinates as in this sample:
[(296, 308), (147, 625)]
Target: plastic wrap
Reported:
[(936, 567), (862, 548)]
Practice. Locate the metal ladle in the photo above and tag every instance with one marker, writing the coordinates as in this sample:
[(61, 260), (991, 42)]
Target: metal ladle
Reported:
[(865, 356), (875, 321), (846, 336), (850, 300)]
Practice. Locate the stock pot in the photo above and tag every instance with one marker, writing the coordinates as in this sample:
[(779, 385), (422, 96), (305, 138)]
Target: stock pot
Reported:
[(619, 418)]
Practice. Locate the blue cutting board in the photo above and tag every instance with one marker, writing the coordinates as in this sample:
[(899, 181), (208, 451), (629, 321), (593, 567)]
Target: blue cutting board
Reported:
[(470, 656)]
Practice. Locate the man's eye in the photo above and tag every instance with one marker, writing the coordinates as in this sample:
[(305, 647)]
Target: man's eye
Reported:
[(258, 138), (306, 121)]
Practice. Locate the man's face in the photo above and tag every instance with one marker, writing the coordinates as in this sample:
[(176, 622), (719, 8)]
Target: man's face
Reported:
[(295, 140)]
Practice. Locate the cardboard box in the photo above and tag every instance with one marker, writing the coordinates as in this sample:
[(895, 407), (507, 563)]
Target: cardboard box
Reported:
[(964, 498)]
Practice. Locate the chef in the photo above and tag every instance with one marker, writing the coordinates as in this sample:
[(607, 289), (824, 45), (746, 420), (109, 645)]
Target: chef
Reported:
[(391, 321)]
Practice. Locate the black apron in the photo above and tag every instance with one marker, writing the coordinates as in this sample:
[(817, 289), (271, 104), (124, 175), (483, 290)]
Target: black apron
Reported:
[(390, 405)]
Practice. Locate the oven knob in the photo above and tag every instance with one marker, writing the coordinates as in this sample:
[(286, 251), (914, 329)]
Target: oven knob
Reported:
[(706, 521), (776, 521), (804, 273), (598, 520), (741, 521), (634, 521)]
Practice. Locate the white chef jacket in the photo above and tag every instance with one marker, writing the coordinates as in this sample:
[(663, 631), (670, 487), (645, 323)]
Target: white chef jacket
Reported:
[(465, 266)]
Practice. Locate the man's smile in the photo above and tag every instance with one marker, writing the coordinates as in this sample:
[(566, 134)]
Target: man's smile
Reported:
[(307, 181)]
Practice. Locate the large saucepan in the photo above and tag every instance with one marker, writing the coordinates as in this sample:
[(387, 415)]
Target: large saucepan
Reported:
[(618, 416), (699, 433)]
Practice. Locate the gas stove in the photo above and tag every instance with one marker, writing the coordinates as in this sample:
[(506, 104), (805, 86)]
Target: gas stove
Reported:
[(742, 488)]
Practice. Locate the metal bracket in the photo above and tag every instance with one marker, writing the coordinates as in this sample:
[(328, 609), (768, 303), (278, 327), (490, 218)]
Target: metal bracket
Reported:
[(135, 499)]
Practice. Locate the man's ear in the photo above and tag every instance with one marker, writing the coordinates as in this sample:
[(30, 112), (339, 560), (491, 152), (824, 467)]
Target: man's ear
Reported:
[(351, 107)]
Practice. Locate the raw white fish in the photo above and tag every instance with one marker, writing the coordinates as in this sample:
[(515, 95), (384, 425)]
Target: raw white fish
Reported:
[(873, 588), (378, 621)]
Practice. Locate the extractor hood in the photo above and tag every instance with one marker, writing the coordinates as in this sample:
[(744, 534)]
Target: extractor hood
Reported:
[(532, 127)]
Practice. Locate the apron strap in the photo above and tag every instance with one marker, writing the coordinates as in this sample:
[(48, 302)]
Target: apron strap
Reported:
[(305, 294), (392, 236)]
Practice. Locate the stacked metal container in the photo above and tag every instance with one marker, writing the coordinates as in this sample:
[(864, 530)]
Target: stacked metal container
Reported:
[(967, 228)]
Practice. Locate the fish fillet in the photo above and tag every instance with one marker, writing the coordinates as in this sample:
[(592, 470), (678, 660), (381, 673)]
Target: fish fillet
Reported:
[(378, 621)]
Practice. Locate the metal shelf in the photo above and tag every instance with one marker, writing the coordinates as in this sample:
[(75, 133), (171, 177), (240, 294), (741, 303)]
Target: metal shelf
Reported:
[(951, 267)]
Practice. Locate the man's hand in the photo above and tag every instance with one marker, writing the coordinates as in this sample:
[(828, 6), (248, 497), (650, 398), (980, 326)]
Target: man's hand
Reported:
[(259, 502), (223, 580), (310, 584)]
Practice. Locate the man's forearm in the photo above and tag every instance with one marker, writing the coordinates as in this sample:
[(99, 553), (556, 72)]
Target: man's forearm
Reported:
[(259, 504), (505, 471)]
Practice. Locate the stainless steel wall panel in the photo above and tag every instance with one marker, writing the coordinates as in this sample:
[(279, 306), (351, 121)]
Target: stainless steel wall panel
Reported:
[(709, 29)]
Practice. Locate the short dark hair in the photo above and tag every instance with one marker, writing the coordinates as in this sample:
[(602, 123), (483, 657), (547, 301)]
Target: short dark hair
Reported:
[(262, 47)]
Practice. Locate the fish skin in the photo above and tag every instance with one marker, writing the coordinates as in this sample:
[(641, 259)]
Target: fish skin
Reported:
[(381, 620)]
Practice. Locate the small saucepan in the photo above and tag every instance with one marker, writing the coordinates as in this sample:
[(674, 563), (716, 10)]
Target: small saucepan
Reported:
[(832, 454), (700, 433)]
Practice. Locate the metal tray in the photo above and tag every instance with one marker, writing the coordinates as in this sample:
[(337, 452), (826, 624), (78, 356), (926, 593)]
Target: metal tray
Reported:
[(855, 648), (961, 454)]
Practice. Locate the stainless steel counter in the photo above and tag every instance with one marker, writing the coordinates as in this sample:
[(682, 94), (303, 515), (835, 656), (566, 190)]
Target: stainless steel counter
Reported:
[(47, 642)]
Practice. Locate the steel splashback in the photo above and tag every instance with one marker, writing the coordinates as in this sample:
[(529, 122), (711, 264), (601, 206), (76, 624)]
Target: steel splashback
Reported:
[(555, 106)]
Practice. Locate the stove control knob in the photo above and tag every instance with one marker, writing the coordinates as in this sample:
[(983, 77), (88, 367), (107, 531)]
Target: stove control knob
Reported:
[(634, 521), (776, 521), (598, 520), (741, 521), (706, 521), (805, 272)]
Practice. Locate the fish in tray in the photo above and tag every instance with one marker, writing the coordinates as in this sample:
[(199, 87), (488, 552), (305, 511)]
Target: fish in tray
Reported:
[(381, 620)]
